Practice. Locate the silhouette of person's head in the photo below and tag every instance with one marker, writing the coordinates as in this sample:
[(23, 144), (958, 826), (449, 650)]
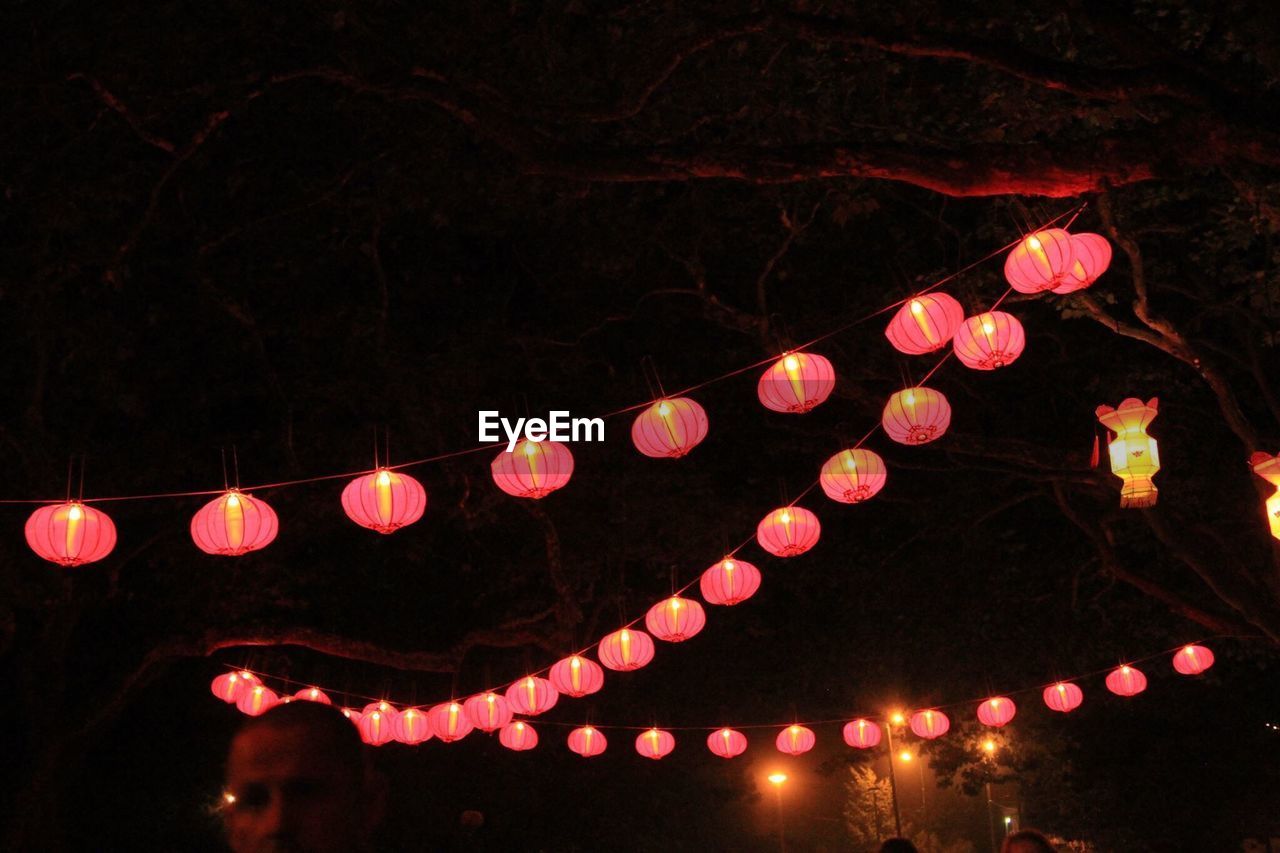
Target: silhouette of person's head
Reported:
[(298, 779), (1026, 841), (897, 845)]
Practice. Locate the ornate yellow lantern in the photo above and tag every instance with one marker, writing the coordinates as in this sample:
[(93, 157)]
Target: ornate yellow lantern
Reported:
[(1135, 456)]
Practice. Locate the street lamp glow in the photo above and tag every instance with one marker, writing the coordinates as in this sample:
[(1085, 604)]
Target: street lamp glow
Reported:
[(989, 746), (905, 755), (1007, 820), (777, 778), (897, 719)]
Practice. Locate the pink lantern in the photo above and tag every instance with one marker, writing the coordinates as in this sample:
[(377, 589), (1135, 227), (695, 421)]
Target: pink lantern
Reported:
[(924, 323), (727, 743), (488, 711), (576, 676), (377, 728), (996, 711), (1126, 681), (230, 685), (930, 724), (587, 741), (989, 340), (625, 650), (383, 707), (675, 619), (729, 582), (449, 722), (1092, 257), (353, 715), (411, 727), (796, 383), (788, 531), (256, 700), (670, 428), (1063, 696), (533, 469), (313, 694), (233, 524), (384, 501), (518, 736), (655, 743), (852, 476), (795, 739), (70, 534), (1040, 262), (1192, 660), (861, 734), (916, 415), (532, 695)]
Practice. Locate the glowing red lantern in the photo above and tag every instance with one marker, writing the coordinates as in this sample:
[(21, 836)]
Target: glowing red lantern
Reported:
[(384, 501), (518, 736), (655, 743), (533, 469), (256, 700), (1126, 681), (1092, 257), (852, 476), (670, 428), (449, 722), (727, 743), (532, 695), (377, 728), (313, 694), (576, 676), (788, 531), (1192, 660), (676, 619), (1040, 262), (1063, 696), (930, 724), (796, 383), (353, 715), (924, 323), (989, 340), (70, 534), (229, 685), (729, 582), (916, 415), (488, 711), (625, 650), (996, 711), (587, 741), (233, 524), (861, 734), (411, 727), (795, 740)]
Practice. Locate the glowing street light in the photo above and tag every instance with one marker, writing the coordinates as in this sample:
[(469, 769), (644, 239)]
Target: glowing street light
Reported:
[(989, 746), (905, 756), (777, 779)]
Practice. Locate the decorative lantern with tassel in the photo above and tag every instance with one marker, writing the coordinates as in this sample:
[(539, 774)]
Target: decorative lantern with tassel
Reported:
[(1135, 456)]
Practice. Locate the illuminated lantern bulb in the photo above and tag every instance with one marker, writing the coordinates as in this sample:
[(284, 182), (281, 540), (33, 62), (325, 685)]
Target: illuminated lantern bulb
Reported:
[(727, 742), (1135, 456), (533, 469), (587, 741), (518, 736), (795, 740), (70, 534), (384, 501), (353, 715), (729, 582), (655, 743), (916, 415), (788, 531), (625, 650), (488, 711), (796, 383), (233, 524), (256, 700), (383, 707), (1092, 257), (1063, 696), (377, 728), (1126, 681), (1040, 262), (1192, 660), (924, 323), (989, 341), (411, 727), (1267, 467), (229, 685), (532, 695), (861, 734), (449, 722), (676, 619), (852, 476), (996, 711), (670, 428), (576, 676), (930, 724), (313, 694)]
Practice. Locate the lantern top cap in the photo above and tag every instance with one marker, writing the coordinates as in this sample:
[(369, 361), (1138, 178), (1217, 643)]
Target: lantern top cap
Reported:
[(1266, 466), (1130, 403)]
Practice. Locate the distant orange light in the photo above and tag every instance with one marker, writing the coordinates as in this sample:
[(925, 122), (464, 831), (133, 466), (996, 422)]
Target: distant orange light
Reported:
[(777, 778)]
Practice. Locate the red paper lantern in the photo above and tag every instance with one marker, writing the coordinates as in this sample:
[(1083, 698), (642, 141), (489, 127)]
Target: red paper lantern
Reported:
[(655, 743), (930, 724), (533, 469), (576, 676), (313, 694), (532, 695), (384, 501), (729, 582), (675, 619), (924, 323), (1040, 262), (256, 700), (852, 476), (233, 524), (989, 340), (861, 734), (788, 531), (727, 743), (587, 741), (411, 727), (1092, 257), (1126, 681), (1063, 696), (488, 711), (916, 415), (625, 650), (796, 383), (230, 685), (377, 728), (795, 739), (1192, 660), (670, 428), (449, 722), (996, 711), (518, 736), (70, 534)]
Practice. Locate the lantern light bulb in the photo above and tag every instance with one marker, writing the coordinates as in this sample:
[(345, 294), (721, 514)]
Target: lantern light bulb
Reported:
[(1034, 242), (233, 500), (664, 409), (988, 328), (384, 478), (530, 448), (74, 514), (916, 306), (791, 363)]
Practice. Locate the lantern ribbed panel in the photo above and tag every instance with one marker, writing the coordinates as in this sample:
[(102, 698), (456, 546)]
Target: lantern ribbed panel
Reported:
[(449, 721), (796, 383), (377, 728), (729, 582), (997, 711), (1126, 681), (675, 619), (229, 685), (655, 743), (853, 476), (916, 415), (1040, 262), (930, 724), (1134, 455), (518, 736), (533, 469), (669, 428), (989, 340), (313, 694), (625, 650), (233, 524), (924, 323), (1063, 697), (532, 695), (727, 743), (411, 727), (1092, 257), (576, 676), (1192, 660), (488, 711), (256, 699), (788, 531), (70, 534), (587, 741), (384, 501), (861, 734), (794, 740)]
